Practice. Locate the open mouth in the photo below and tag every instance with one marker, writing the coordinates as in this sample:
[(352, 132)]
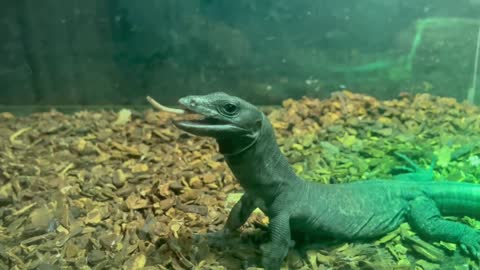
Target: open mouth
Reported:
[(193, 117), (195, 122), (200, 120)]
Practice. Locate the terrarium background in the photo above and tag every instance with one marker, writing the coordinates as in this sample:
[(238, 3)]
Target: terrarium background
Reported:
[(117, 51)]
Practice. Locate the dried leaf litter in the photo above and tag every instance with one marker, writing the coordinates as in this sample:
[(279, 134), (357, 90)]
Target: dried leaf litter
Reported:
[(126, 190)]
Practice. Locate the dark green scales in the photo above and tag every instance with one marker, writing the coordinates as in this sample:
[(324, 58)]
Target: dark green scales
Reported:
[(304, 211)]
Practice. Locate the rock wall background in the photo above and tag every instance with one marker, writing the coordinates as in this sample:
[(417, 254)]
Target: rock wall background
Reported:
[(117, 51)]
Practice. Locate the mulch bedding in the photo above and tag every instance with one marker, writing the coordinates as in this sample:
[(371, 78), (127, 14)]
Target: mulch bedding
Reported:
[(127, 190)]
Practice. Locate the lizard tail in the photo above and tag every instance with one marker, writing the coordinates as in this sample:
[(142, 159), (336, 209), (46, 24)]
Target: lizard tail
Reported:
[(455, 198)]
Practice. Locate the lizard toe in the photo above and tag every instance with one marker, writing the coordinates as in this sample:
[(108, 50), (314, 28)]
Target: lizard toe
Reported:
[(470, 244), (222, 239), (213, 239), (273, 255)]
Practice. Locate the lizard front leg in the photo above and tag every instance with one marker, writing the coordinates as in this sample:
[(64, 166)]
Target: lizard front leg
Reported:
[(237, 217), (275, 251), (240, 212), (426, 218)]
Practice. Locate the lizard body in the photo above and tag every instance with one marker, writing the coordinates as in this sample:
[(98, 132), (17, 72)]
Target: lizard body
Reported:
[(305, 211)]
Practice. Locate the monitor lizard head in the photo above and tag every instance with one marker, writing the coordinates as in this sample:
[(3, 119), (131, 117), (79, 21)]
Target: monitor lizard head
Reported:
[(232, 121)]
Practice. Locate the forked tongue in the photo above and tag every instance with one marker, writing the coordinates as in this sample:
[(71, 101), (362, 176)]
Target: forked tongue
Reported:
[(161, 107)]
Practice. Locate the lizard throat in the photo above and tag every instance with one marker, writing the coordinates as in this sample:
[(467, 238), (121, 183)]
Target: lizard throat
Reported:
[(229, 150)]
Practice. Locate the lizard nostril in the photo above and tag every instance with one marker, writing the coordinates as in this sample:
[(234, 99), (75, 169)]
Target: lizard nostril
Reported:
[(193, 103)]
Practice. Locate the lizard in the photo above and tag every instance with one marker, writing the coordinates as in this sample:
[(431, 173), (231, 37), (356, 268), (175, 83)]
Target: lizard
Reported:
[(300, 210)]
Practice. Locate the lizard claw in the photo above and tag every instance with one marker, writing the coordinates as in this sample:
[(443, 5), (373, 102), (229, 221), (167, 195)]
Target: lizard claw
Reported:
[(413, 170), (219, 239), (213, 239), (470, 244), (273, 254)]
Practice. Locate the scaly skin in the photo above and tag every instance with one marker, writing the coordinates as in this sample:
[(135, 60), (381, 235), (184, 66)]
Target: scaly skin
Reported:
[(306, 211)]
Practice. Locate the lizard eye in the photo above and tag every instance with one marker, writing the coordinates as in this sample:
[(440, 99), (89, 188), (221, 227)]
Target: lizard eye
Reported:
[(229, 109)]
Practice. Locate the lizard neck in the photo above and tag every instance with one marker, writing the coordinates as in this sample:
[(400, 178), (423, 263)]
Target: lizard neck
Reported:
[(261, 168)]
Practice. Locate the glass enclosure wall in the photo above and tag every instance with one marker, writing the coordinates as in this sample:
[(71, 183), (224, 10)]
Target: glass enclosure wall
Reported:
[(118, 51)]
